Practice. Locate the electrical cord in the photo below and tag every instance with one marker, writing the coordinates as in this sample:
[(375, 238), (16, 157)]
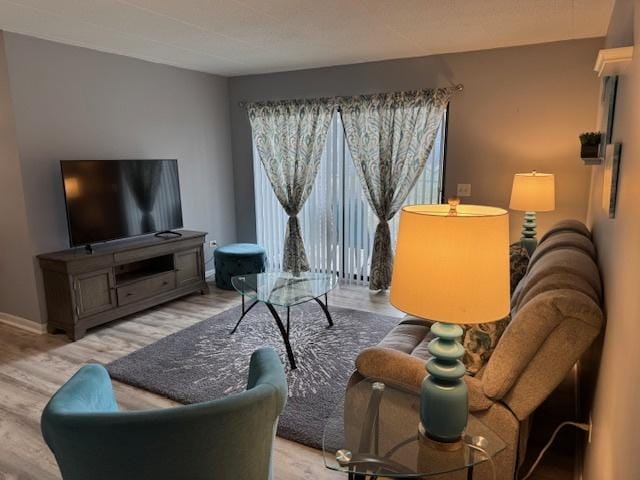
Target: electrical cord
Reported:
[(581, 426), (486, 454)]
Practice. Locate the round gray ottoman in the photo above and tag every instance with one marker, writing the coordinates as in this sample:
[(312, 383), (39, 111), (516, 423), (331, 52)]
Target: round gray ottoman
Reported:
[(237, 259)]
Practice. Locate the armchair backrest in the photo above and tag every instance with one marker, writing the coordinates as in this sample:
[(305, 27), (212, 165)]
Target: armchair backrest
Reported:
[(227, 438), (556, 315)]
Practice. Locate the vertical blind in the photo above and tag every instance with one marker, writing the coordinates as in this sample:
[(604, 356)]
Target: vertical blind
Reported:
[(337, 223)]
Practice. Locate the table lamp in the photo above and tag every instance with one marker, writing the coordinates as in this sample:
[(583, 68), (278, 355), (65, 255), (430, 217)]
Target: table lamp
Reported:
[(451, 267), (532, 192)]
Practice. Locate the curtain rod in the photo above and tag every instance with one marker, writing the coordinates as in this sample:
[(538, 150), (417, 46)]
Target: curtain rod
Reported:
[(242, 103)]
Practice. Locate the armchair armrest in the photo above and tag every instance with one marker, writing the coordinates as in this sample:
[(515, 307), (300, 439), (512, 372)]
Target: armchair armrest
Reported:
[(265, 367), (404, 371), (88, 391)]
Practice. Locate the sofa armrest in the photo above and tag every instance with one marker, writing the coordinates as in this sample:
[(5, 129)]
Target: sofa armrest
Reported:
[(392, 367), (544, 340), (404, 371)]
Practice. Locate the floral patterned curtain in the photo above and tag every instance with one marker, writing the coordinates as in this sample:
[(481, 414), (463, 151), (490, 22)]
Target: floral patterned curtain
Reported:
[(290, 137), (390, 137)]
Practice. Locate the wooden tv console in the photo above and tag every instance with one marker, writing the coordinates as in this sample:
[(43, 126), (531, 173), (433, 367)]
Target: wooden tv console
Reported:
[(119, 278)]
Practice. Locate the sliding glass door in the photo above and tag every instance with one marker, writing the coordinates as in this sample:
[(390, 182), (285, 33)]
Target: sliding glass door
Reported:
[(337, 222)]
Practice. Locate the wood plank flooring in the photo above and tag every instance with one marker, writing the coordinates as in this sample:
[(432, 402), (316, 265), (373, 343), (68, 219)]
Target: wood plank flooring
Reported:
[(32, 368)]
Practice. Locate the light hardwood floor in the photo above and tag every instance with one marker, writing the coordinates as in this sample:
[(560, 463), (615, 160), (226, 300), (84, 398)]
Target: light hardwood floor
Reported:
[(32, 368)]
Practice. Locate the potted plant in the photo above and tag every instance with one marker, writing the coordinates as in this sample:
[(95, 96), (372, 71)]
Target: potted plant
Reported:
[(590, 148)]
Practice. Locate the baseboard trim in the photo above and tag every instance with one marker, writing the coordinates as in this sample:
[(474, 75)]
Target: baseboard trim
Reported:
[(22, 323)]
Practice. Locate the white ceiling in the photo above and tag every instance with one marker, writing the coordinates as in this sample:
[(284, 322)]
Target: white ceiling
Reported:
[(237, 37)]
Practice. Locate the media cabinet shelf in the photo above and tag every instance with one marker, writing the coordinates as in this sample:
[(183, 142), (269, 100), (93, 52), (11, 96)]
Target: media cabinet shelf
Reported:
[(126, 279), (84, 290)]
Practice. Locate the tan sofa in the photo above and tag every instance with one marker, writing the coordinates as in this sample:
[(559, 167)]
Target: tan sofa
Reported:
[(556, 314)]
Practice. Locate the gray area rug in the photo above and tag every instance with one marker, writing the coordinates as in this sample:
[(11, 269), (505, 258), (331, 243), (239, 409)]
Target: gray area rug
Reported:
[(204, 361)]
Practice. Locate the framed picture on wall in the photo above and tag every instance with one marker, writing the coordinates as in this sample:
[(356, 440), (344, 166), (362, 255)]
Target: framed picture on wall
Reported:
[(610, 178), (608, 110)]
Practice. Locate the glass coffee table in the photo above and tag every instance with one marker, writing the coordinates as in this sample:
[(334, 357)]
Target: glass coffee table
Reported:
[(284, 289), (375, 434)]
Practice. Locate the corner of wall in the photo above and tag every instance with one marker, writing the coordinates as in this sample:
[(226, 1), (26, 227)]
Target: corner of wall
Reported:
[(18, 291)]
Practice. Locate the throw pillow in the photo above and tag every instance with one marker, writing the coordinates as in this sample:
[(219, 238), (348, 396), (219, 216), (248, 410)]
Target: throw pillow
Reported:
[(518, 263), (481, 339)]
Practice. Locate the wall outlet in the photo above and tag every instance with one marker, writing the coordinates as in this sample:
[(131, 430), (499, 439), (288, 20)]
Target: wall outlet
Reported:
[(464, 190), (213, 244)]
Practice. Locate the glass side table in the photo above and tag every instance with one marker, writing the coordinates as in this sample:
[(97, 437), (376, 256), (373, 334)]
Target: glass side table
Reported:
[(375, 434)]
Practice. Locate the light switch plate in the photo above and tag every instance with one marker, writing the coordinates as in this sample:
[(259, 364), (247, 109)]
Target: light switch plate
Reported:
[(464, 190)]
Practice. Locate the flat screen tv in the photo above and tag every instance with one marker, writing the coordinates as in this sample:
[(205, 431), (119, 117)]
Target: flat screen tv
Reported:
[(112, 199)]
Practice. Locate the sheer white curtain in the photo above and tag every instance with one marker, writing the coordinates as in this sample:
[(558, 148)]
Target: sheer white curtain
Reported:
[(337, 223)]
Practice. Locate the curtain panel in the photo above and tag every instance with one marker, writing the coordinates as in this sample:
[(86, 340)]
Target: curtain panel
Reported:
[(289, 137), (390, 137)]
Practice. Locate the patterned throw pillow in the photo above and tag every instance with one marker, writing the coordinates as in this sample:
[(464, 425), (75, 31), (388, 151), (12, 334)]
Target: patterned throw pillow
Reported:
[(518, 263), (480, 340)]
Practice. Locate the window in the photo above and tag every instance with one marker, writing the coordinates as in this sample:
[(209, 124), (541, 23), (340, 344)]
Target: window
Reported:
[(337, 223)]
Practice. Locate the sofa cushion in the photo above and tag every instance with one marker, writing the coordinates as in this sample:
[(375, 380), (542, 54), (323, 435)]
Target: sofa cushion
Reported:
[(563, 240), (555, 281), (409, 338), (568, 225), (558, 261)]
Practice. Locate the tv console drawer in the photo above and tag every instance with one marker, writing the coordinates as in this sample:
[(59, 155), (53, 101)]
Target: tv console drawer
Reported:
[(148, 287)]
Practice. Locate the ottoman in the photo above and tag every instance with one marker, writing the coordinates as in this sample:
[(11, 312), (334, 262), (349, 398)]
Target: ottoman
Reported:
[(237, 259)]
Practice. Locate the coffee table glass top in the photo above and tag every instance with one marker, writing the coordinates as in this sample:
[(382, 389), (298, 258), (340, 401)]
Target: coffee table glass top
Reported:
[(375, 432), (284, 289)]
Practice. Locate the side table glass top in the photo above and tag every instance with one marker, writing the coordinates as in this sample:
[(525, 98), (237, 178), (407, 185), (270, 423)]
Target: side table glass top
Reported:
[(283, 288), (376, 432)]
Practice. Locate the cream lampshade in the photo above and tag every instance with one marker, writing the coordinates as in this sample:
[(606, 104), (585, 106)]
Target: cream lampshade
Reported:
[(532, 192), (451, 266)]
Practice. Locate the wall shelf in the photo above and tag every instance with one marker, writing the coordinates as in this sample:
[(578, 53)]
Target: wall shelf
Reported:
[(613, 61)]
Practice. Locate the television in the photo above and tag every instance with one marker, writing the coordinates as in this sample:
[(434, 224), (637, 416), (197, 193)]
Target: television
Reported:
[(113, 199)]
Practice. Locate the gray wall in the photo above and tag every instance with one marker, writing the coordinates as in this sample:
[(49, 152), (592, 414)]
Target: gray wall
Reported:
[(17, 277), (522, 108), (612, 452), (75, 103)]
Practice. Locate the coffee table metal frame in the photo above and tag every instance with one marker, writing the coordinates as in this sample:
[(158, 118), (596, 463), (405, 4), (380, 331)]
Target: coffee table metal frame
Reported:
[(285, 331)]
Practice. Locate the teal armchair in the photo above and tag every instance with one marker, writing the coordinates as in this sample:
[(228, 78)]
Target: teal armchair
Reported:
[(229, 438)]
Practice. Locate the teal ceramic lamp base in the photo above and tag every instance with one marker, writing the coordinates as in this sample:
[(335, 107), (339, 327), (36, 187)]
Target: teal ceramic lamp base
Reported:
[(444, 404), (528, 239)]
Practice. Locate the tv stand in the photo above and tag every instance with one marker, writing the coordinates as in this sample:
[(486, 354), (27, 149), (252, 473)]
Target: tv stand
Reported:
[(119, 278), (88, 249)]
